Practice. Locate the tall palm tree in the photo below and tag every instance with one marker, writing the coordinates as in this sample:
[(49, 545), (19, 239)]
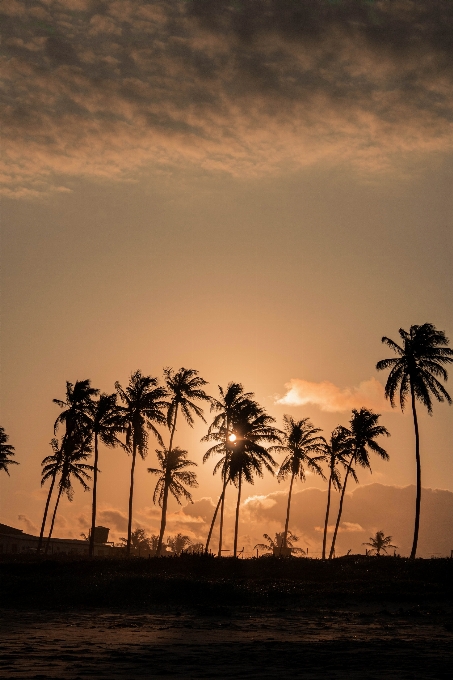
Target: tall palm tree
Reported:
[(75, 451), (414, 372), (6, 451), (51, 468), (304, 448), (232, 400), (173, 478), (380, 542), (252, 429), (143, 404), (106, 423), (363, 431), (184, 386), (337, 450), (77, 421)]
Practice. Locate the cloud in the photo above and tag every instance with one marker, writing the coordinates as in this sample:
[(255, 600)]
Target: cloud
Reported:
[(29, 526), (329, 397), (113, 518), (104, 89), (367, 509)]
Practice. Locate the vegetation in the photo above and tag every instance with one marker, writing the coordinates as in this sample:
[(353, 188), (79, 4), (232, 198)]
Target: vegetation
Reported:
[(173, 478), (379, 543), (6, 451), (300, 441), (242, 434), (363, 431), (282, 540), (415, 372), (143, 405)]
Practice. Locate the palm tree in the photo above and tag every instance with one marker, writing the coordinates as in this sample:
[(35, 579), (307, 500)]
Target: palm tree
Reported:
[(75, 451), (173, 478), (179, 543), (51, 468), (105, 425), (280, 541), (141, 543), (143, 404), (414, 372), (300, 442), (77, 420), (251, 427), (337, 451), (364, 430), (380, 542), (232, 400), (184, 386), (6, 451)]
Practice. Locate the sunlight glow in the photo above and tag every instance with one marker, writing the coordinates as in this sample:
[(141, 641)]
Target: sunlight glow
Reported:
[(232, 437)]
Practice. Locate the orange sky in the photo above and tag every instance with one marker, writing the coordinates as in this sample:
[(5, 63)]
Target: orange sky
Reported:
[(258, 191)]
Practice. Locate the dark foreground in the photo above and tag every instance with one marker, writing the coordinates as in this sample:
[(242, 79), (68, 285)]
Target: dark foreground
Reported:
[(204, 618)]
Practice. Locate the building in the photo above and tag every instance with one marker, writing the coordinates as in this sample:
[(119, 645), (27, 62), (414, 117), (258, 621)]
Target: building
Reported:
[(15, 541)]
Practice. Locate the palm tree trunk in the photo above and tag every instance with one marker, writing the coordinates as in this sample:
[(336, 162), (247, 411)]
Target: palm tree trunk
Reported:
[(236, 526), (419, 477), (46, 510), (131, 496), (164, 518), (222, 512), (53, 517), (340, 510), (95, 479), (324, 540), (285, 535), (211, 528), (165, 500)]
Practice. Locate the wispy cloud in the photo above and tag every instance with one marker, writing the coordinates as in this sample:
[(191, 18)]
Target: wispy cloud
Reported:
[(329, 397), (102, 89)]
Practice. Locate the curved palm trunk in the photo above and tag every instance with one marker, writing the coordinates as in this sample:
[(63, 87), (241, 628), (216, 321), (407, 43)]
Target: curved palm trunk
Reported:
[(326, 523), (236, 526), (165, 501), (95, 479), (164, 518), (285, 535), (131, 496), (46, 510), (222, 512), (211, 528), (419, 477), (340, 510), (53, 518)]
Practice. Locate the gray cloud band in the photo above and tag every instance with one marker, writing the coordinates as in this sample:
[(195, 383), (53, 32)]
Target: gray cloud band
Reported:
[(102, 88)]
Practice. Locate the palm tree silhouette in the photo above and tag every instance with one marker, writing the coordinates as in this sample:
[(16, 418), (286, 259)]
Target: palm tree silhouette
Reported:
[(380, 542), (179, 543), (6, 451), (280, 541), (231, 402), (364, 430), (173, 478), (337, 450), (143, 404), (251, 427), (300, 442), (414, 372), (105, 425), (183, 387), (76, 418), (75, 451)]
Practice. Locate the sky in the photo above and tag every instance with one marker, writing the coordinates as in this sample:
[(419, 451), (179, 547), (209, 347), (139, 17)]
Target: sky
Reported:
[(259, 190)]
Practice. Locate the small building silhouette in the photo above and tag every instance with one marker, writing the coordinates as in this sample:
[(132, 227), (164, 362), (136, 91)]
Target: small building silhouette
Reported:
[(15, 541)]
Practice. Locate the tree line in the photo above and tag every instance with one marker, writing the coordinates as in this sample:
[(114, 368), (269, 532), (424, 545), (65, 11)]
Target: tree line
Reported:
[(242, 435)]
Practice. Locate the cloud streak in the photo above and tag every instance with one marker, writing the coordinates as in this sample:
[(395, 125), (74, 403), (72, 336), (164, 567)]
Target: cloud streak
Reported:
[(328, 397), (102, 89)]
